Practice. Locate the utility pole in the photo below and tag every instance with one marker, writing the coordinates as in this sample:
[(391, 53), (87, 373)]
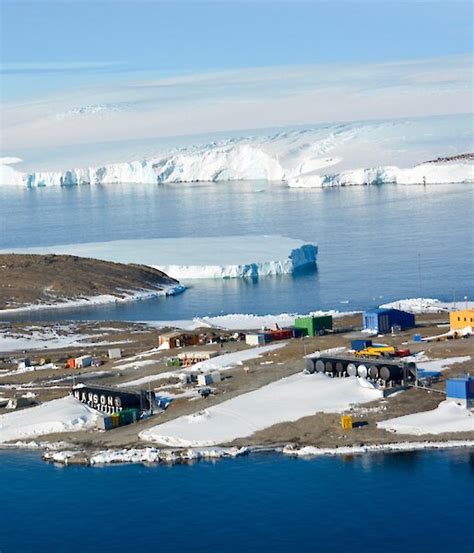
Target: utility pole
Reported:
[(149, 398), (419, 281)]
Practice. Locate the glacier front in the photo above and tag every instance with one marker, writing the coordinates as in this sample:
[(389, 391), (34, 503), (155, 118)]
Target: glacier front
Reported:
[(200, 257), (404, 151)]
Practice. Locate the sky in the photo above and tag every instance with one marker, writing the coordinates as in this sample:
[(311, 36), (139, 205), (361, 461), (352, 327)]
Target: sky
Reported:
[(147, 68)]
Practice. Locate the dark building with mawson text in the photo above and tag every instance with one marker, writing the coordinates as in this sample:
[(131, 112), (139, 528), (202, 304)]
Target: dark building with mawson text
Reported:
[(108, 399)]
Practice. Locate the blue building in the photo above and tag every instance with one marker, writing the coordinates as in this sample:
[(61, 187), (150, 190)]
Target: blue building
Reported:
[(382, 320), (461, 390)]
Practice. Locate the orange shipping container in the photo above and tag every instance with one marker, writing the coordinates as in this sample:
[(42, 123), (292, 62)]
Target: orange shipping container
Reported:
[(71, 363)]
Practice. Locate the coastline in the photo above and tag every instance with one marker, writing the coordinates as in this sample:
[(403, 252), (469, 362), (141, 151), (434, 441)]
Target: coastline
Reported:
[(65, 454), (104, 299), (317, 433)]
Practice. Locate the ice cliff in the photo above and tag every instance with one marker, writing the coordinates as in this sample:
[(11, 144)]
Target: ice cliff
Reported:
[(299, 259), (396, 151)]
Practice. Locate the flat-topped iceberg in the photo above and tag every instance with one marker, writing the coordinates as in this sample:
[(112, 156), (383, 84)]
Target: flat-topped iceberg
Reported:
[(201, 257)]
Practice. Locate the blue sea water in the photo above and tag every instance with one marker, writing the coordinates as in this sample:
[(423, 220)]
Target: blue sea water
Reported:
[(376, 243), (410, 502)]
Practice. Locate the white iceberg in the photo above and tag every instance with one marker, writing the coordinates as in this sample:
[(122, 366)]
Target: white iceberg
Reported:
[(197, 258)]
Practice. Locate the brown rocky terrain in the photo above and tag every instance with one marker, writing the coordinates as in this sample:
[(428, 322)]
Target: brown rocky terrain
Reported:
[(459, 157), (27, 279)]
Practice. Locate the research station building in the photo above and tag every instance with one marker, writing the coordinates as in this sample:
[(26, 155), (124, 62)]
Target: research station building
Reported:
[(459, 320), (383, 320)]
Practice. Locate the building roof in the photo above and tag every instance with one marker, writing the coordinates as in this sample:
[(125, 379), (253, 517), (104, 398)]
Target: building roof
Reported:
[(466, 378), (380, 310), (175, 334)]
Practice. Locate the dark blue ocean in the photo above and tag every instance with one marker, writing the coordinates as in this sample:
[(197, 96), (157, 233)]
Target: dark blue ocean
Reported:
[(376, 243), (411, 502)]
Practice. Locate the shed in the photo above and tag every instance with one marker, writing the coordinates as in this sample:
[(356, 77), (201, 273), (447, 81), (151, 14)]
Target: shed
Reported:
[(459, 320), (358, 345), (382, 320), (280, 334), (461, 390), (83, 361), (204, 379), (190, 358), (255, 339), (216, 376), (314, 325), (115, 353), (171, 340), (24, 363)]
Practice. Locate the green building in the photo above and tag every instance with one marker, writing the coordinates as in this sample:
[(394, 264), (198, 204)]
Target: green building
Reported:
[(314, 325)]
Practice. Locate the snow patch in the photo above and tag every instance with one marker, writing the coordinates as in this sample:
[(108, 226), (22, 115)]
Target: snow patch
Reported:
[(310, 451), (447, 417), (59, 415), (288, 399), (427, 305), (103, 299), (240, 321), (221, 363)]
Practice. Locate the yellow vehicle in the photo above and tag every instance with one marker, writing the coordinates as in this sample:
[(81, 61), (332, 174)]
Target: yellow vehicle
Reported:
[(376, 351)]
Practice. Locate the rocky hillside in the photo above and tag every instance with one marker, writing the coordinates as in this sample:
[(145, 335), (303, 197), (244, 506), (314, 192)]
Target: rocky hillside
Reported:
[(53, 279)]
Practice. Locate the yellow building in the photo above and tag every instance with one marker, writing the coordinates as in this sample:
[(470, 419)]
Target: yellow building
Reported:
[(461, 319)]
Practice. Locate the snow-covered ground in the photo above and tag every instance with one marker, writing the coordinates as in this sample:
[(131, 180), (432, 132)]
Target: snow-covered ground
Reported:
[(205, 257), (428, 305), (126, 296), (373, 152), (229, 360), (48, 337), (310, 450), (287, 399), (447, 417), (425, 173), (59, 415), (239, 321), (221, 363), (437, 364)]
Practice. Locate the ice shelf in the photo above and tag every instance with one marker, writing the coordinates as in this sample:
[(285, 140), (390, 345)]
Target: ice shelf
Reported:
[(400, 151)]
